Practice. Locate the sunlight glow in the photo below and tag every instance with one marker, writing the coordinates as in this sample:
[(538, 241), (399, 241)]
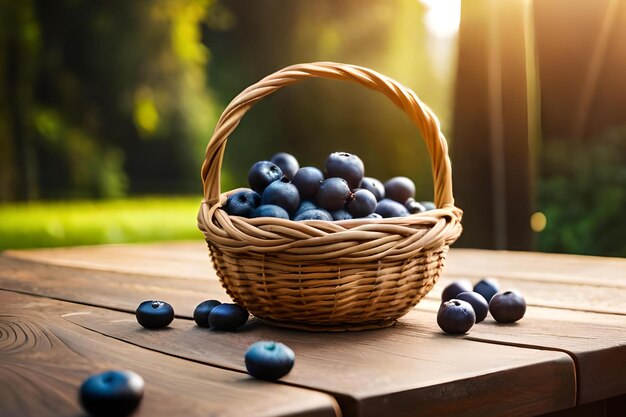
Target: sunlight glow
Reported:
[(443, 17)]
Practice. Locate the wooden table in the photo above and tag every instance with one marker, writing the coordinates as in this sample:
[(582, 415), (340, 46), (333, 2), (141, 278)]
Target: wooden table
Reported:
[(68, 313)]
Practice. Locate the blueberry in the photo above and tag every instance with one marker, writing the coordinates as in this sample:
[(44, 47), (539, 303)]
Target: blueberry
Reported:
[(413, 206), (305, 205), (154, 314), (507, 307), (307, 180), (228, 317), (362, 204), (242, 203), (399, 189), (202, 311), (478, 303), (112, 393), (269, 360), (341, 214), (333, 194), (390, 208), (287, 163), (373, 216), (315, 214), (428, 205), (487, 287), (262, 174), (270, 210), (345, 165), (456, 316), (374, 186), (281, 194), (455, 288)]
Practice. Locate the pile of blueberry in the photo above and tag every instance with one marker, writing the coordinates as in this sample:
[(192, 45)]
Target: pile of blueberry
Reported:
[(280, 188), (462, 306)]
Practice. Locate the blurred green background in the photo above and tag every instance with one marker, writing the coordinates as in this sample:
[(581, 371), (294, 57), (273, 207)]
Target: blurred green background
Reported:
[(106, 108)]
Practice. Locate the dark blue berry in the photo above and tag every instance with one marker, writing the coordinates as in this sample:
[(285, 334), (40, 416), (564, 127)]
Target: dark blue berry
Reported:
[(456, 288), (242, 203), (389, 208), (287, 163), (456, 316), (399, 189), (202, 311), (374, 186), (413, 206), (362, 204), (314, 214), (487, 287), (281, 194), (154, 314), (228, 317), (428, 205), (270, 210), (373, 216), (333, 194), (478, 303), (507, 307), (307, 180), (345, 165), (262, 174), (269, 360), (341, 214), (112, 393), (304, 206)]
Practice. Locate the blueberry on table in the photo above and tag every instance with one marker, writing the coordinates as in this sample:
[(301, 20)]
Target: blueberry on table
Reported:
[(154, 314), (487, 287), (456, 288), (374, 186), (390, 208), (112, 393), (269, 360), (414, 207), (363, 203), (228, 317), (202, 311), (333, 194), (341, 214), (399, 189), (315, 214), (478, 303), (347, 166), (507, 307), (270, 210), (242, 203), (456, 316), (262, 174), (287, 163), (307, 180), (281, 194)]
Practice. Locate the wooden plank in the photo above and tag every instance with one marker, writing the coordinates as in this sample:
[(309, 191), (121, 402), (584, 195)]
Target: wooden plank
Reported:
[(44, 358), (408, 370)]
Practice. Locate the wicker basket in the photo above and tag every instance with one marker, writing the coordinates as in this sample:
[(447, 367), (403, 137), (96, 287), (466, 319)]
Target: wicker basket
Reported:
[(329, 276)]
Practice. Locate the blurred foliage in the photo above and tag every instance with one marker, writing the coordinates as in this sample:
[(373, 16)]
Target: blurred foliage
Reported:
[(50, 224), (582, 192)]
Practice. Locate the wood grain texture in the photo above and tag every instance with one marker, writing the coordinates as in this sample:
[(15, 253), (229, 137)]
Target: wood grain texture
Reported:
[(44, 359), (411, 369)]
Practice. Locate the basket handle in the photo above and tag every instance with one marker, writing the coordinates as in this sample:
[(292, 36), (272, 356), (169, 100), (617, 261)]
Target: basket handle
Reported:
[(422, 116)]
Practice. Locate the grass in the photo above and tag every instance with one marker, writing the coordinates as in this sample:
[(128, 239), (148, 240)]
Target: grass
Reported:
[(72, 223)]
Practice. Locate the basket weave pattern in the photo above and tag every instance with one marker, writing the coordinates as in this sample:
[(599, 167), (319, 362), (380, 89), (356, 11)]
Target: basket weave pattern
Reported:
[(319, 275)]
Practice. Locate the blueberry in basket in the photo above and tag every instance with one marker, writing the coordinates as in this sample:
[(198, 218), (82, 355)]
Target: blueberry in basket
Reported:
[(202, 311), (333, 194), (362, 203), (242, 203), (307, 180), (314, 214), (282, 194), (478, 303), (347, 166), (287, 163), (341, 214), (304, 206), (270, 210), (414, 207), (428, 205), (112, 393), (456, 316), (455, 288), (390, 208), (399, 189), (487, 287), (154, 314), (262, 174), (374, 186), (228, 317), (269, 360), (507, 307)]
